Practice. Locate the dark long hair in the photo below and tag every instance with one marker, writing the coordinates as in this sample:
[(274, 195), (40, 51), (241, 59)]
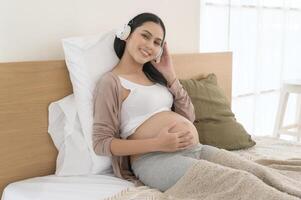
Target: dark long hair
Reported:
[(119, 45)]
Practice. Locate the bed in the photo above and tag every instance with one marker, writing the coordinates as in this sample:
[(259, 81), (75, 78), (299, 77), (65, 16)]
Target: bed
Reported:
[(28, 155)]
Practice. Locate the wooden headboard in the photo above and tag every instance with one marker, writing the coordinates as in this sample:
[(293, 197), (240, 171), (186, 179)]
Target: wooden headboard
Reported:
[(27, 89)]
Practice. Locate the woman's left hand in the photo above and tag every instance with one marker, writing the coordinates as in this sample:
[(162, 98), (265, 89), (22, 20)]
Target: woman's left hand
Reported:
[(165, 66)]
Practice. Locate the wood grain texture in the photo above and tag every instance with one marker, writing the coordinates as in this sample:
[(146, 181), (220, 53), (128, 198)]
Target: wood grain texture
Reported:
[(27, 89)]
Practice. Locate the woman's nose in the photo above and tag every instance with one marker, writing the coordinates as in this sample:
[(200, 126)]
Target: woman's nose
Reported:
[(150, 45)]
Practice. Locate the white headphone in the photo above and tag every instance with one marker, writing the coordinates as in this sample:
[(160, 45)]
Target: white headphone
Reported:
[(124, 32)]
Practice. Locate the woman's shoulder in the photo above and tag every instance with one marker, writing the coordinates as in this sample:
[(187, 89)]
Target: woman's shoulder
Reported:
[(108, 86), (108, 78)]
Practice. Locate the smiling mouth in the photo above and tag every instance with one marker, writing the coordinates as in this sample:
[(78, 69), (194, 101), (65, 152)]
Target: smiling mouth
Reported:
[(144, 53)]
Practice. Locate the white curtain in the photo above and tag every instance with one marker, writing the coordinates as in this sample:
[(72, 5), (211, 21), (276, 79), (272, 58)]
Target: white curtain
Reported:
[(265, 38)]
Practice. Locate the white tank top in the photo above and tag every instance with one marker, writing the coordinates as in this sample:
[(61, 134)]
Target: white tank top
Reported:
[(141, 103)]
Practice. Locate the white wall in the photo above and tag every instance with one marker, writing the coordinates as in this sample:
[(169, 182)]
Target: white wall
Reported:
[(32, 29)]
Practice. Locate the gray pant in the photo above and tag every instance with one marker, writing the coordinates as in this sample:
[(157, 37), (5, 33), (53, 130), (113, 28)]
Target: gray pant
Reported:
[(162, 170)]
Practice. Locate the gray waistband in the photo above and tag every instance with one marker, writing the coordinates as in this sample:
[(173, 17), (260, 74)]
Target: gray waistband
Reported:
[(191, 149)]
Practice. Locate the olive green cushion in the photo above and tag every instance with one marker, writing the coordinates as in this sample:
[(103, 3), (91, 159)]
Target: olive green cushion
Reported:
[(215, 122)]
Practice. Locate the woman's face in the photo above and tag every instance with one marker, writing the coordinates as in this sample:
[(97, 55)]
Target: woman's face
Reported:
[(144, 43)]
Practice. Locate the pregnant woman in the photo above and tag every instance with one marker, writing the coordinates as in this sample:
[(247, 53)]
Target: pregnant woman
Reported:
[(143, 117)]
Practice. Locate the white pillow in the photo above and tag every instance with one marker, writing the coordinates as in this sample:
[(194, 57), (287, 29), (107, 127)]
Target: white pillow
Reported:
[(73, 153), (87, 59)]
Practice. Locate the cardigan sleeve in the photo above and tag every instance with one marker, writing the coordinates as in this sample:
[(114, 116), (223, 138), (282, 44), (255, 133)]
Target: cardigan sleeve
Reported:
[(182, 103), (105, 116)]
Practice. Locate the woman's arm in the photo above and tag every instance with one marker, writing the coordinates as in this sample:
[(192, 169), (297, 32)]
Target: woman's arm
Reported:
[(120, 147), (165, 141), (105, 115), (182, 102)]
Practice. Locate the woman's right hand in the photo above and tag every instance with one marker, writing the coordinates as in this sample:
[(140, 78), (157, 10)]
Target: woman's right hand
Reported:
[(173, 141)]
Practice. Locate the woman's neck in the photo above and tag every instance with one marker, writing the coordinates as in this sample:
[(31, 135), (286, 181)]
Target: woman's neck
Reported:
[(128, 65)]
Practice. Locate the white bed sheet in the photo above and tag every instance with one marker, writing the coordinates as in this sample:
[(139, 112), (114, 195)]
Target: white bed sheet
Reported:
[(271, 148), (97, 187), (52, 187)]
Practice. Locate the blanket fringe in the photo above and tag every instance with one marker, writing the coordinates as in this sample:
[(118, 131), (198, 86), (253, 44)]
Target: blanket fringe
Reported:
[(133, 192)]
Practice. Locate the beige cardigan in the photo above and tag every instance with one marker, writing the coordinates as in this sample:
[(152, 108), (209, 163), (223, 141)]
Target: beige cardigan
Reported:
[(106, 115)]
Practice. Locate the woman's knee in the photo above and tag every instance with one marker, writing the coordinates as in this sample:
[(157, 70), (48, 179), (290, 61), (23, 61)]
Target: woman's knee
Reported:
[(207, 152)]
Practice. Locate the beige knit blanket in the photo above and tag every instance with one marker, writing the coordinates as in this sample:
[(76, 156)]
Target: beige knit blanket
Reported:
[(224, 176)]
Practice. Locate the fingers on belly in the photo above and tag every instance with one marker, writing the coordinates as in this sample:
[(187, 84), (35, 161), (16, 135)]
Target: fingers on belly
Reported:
[(187, 126), (182, 126)]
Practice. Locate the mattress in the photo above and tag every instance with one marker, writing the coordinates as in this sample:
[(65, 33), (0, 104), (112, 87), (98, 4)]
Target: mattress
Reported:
[(101, 186), (52, 187)]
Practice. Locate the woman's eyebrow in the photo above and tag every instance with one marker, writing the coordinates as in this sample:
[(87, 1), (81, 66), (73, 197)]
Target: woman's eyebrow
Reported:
[(152, 34)]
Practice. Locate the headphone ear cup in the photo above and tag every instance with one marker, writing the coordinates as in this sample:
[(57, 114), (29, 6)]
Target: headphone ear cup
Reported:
[(124, 32), (158, 57)]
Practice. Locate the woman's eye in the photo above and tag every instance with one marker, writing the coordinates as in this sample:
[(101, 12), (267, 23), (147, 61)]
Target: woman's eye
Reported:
[(145, 36), (157, 43)]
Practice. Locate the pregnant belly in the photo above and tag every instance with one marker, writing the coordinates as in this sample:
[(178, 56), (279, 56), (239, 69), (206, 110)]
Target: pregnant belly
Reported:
[(152, 126)]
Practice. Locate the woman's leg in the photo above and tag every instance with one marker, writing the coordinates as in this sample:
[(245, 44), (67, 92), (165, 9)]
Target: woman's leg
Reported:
[(268, 175), (161, 170)]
